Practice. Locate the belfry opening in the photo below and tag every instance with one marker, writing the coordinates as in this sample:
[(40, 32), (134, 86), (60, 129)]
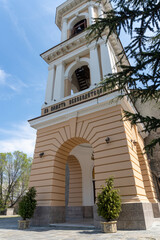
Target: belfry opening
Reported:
[(82, 138), (80, 79)]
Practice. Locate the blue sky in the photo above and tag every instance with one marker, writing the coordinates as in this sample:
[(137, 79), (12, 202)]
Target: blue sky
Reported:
[(27, 28)]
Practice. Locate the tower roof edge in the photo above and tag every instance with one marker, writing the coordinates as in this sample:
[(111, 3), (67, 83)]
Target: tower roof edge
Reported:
[(66, 7)]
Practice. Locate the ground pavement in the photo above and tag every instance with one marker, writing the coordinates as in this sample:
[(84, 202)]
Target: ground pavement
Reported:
[(9, 231)]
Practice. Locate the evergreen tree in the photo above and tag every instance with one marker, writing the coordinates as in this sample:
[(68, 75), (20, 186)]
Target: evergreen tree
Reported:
[(109, 202), (141, 21), (28, 204)]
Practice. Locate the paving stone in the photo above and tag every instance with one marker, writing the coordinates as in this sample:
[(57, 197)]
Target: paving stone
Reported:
[(9, 231)]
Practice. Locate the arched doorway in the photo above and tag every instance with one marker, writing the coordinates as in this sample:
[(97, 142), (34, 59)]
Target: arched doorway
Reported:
[(79, 194), (76, 186)]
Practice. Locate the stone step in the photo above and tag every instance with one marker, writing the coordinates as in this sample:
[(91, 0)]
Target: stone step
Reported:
[(72, 226), (74, 219)]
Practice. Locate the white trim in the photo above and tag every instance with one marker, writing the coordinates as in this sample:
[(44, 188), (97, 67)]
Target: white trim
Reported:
[(73, 66), (68, 6), (76, 19), (82, 109)]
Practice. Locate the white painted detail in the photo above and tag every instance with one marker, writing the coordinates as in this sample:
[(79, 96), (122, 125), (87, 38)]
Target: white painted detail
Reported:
[(76, 64), (76, 19), (82, 109), (59, 82), (94, 66), (105, 59), (83, 153), (113, 59), (73, 5), (100, 11), (91, 14), (64, 30), (91, 106), (50, 84)]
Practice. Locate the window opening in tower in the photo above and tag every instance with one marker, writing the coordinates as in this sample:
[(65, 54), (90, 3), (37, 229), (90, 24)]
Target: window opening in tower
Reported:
[(83, 77), (79, 27)]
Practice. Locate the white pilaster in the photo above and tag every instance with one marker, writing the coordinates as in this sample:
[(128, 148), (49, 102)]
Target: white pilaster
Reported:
[(50, 84), (100, 11), (59, 82), (91, 14), (105, 59), (64, 30), (94, 66)]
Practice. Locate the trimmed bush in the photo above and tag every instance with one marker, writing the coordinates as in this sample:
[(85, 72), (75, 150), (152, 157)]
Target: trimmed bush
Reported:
[(109, 202), (28, 204)]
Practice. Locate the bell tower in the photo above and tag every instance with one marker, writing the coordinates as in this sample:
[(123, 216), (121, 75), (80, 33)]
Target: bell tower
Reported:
[(82, 138), (74, 65)]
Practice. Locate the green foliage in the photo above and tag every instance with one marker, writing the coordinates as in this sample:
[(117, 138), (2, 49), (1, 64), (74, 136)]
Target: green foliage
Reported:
[(28, 204), (14, 177), (109, 202), (140, 20)]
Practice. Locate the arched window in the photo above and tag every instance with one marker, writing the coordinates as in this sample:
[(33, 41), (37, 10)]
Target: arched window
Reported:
[(80, 79), (79, 27)]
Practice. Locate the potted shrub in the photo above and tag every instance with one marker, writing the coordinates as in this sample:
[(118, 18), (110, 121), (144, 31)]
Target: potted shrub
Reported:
[(109, 206), (26, 208)]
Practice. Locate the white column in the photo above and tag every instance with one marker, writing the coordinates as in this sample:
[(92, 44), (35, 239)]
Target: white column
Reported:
[(59, 82), (64, 30), (100, 11), (91, 14), (105, 59), (94, 66), (50, 84)]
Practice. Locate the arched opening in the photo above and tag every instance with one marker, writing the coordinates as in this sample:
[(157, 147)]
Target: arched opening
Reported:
[(80, 79), (75, 192), (79, 27)]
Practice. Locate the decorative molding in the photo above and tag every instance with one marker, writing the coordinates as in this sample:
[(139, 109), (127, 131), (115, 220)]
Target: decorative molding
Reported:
[(77, 17), (66, 7), (64, 48), (100, 103), (74, 65)]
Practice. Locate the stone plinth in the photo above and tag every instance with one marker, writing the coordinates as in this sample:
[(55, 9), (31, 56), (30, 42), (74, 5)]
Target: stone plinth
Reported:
[(134, 216)]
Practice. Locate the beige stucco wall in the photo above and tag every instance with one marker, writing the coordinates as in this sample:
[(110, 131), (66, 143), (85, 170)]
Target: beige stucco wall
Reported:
[(152, 108), (75, 182), (119, 158)]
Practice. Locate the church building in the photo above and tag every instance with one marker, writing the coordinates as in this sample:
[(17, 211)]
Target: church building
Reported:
[(82, 138)]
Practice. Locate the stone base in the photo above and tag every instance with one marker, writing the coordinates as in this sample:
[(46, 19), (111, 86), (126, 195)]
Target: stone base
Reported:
[(87, 211), (156, 210), (78, 213), (134, 216), (44, 216)]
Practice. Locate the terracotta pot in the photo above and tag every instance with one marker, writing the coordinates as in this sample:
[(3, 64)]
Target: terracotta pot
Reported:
[(109, 227), (23, 224)]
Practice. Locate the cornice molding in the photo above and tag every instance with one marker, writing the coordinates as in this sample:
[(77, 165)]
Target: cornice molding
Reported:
[(64, 48), (101, 103), (76, 42)]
